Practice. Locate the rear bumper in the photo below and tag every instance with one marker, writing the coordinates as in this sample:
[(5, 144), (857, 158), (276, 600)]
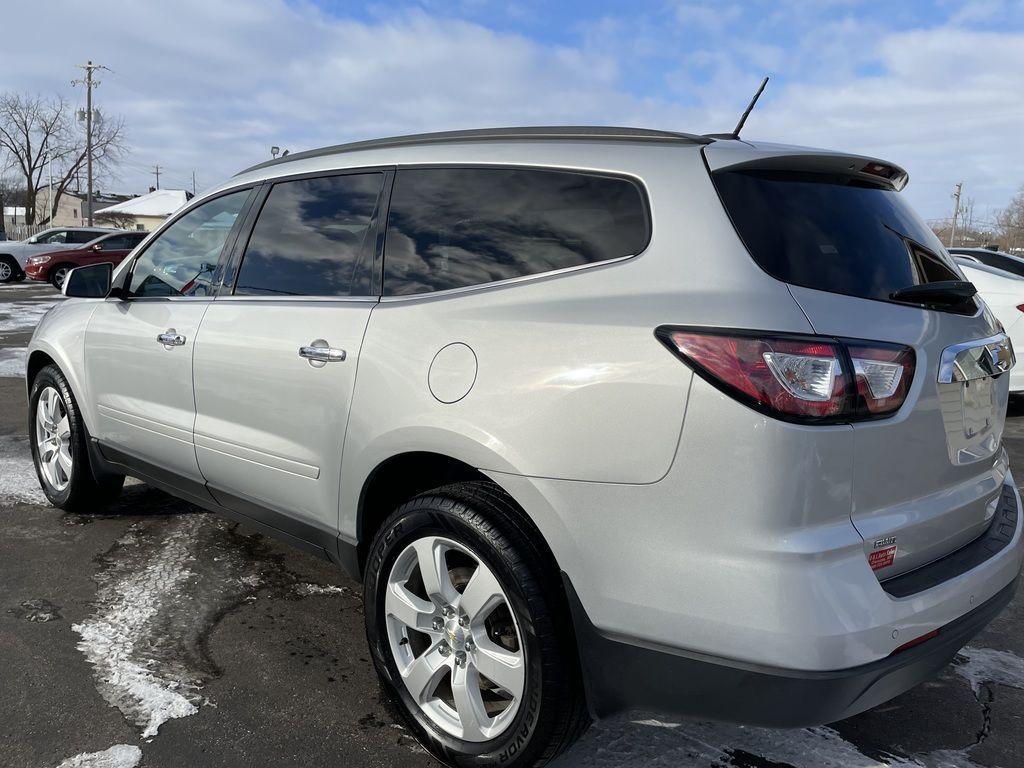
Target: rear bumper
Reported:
[(622, 674)]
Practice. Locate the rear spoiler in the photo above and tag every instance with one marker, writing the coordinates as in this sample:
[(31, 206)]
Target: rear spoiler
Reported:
[(739, 155)]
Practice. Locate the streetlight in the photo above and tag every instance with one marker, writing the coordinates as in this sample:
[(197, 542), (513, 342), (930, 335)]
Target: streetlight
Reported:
[(274, 152)]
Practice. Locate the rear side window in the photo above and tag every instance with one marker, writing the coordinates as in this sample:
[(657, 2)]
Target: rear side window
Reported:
[(832, 233), (458, 227), (314, 237), (80, 237)]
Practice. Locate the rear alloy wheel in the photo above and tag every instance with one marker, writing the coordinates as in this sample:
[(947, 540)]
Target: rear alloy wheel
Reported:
[(59, 274), (459, 654), (8, 269), (60, 447), (468, 630)]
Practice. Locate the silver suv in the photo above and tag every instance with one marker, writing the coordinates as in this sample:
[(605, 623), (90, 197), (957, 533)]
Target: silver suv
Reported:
[(602, 418)]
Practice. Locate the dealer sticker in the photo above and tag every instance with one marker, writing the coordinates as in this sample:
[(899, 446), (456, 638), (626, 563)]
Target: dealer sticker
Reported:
[(882, 558)]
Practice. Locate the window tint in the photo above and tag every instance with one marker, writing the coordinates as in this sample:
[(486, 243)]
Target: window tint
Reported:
[(80, 237), (60, 236), (314, 237), (456, 227), (118, 243), (832, 233), (182, 261), (1006, 263)]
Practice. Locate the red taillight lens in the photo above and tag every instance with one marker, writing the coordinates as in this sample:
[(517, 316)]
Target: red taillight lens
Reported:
[(798, 378)]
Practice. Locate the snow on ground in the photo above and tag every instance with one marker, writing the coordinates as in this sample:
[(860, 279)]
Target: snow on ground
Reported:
[(115, 638), (985, 665), (22, 316), (117, 756), (18, 481), (13, 361)]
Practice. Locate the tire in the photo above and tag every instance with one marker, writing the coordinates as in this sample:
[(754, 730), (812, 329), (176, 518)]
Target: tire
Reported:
[(10, 270), (68, 480), (476, 526), (59, 273)]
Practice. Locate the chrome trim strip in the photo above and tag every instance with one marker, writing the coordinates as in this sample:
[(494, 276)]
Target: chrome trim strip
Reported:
[(244, 299), (977, 359)]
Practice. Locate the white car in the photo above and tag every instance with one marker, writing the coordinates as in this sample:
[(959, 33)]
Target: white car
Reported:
[(1004, 293), (14, 254)]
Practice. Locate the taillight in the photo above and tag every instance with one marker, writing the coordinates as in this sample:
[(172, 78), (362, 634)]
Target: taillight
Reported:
[(813, 379)]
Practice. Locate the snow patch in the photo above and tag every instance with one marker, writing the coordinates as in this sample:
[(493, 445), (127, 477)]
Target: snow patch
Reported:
[(117, 756), (13, 362), (23, 315), (306, 590), (18, 480), (115, 639), (985, 665)]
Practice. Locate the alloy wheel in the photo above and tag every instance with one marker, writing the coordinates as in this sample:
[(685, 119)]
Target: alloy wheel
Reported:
[(5, 272), (455, 639), (60, 276), (53, 439)]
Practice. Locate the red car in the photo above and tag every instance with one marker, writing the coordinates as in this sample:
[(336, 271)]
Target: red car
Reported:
[(53, 267)]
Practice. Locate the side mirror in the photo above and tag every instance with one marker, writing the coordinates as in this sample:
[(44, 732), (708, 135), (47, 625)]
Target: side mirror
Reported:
[(97, 247), (91, 282), (33, 239)]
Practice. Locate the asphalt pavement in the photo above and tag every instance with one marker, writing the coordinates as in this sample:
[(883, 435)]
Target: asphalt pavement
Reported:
[(155, 634)]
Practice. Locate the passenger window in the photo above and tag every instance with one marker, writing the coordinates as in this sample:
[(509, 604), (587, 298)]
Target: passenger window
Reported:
[(182, 261), (54, 238), (457, 227), (81, 238), (314, 237)]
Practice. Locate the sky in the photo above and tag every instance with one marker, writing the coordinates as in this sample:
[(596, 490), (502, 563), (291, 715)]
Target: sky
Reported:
[(210, 85)]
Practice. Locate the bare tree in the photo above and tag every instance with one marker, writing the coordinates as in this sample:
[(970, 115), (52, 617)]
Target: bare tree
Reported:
[(116, 219), (35, 130), (1010, 223)]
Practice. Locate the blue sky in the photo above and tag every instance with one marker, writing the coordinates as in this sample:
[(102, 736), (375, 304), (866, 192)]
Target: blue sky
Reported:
[(210, 85)]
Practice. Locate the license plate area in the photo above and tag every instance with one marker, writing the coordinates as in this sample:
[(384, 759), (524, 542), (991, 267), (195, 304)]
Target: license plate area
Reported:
[(969, 396)]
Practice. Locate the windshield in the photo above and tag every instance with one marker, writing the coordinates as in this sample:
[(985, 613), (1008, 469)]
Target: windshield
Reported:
[(832, 233)]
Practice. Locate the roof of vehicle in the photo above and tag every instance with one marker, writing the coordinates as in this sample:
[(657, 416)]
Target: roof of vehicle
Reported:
[(966, 249), (160, 202), (988, 269), (525, 133)]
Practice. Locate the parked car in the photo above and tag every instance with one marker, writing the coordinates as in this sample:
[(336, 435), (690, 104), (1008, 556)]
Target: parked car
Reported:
[(112, 247), (1004, 261), (1003, 292), (14, 255), (602, 418)]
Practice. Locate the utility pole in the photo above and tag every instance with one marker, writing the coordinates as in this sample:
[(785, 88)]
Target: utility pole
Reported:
[(956, 211), (156, 170), (193, 183), (89, 84), (49, 191)]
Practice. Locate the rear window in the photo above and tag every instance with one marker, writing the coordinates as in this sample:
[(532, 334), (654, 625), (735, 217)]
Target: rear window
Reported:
[(458, 227), (832, 233)]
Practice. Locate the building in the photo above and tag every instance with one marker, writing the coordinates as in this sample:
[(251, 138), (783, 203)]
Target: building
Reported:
[(146, 211), (72, 208)]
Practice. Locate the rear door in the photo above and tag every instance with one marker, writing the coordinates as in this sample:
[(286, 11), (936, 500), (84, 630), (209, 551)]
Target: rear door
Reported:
[(276, 359), (925, 481)]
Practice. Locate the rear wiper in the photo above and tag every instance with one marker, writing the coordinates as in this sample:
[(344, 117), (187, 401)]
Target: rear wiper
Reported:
[(945, 292)]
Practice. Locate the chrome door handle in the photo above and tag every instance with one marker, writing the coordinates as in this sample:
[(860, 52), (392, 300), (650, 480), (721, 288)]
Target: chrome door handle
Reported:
[(171, 338), (319, 353)]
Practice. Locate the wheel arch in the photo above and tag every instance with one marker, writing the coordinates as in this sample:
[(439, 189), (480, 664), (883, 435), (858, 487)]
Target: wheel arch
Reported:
[(38, 359), (402, 476)]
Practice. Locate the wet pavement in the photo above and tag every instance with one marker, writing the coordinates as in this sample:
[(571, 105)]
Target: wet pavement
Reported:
[(155, 634)]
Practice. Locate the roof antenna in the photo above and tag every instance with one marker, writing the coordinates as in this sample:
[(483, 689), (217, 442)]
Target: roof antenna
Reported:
[(743, 118)]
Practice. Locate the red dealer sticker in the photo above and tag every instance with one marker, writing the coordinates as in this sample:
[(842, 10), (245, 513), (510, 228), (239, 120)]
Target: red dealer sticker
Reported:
[(883, 558)]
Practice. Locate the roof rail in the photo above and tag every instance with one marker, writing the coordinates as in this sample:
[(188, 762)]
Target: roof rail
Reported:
[(492, 134)]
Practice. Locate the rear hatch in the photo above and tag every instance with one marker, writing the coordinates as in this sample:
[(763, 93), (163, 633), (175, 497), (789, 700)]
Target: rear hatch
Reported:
[(836, 229)]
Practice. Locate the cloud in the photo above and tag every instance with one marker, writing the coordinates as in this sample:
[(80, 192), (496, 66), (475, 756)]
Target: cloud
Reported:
[(210, 85)]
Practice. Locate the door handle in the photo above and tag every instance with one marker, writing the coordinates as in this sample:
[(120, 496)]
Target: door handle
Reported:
[(171, 338), (319, 353)]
